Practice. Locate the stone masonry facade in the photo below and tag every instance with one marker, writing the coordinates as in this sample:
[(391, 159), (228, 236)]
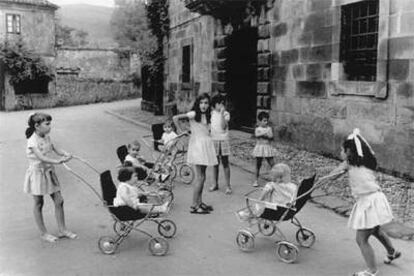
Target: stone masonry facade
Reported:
[(301, 78)]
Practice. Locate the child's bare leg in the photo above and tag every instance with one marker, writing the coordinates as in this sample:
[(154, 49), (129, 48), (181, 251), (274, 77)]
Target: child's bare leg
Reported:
[(258, 166), (215, 175), (270, 161), (60, 216), (198, 187), (384, 239), (226, 168), (362, 237), (37, 211)]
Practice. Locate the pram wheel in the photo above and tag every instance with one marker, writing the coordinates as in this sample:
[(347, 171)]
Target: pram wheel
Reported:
[(186, 174), (305, 237), (107, 245), (245, 240), (287, 252), (120, 227), (167, 228), (266, 227), (158, 246)]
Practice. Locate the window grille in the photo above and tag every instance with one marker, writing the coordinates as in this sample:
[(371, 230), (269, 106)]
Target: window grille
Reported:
[(186, 66), (359, 40)]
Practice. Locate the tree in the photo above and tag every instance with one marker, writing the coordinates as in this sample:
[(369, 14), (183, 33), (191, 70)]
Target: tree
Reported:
[(130, 29), (68, 36)]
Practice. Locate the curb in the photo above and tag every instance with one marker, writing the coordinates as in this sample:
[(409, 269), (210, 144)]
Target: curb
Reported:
[(129, 120)]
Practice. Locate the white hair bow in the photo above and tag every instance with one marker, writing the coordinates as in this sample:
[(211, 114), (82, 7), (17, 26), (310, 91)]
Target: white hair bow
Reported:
[(356, 136)]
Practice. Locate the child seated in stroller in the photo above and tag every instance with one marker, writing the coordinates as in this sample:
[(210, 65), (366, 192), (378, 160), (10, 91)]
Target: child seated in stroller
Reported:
[(134, 159), (279, 192), (127, 194), (168, 143)]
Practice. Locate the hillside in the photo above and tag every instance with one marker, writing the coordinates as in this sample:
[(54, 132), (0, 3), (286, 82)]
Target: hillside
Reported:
[(93, 19)]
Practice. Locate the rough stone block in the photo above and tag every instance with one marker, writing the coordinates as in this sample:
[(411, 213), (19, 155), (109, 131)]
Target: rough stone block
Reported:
[(318, 5), (280, 72), (376, 112), (312, 89), (263, 88), (263, 74), (400, 47), (221, 53), (405, 116), (322, 36), (180, 34), (289, 56), (314, 21), (263, 59), (218, 87), (305, 39), (221, 76), (275, 58), (279, 30), (313, 72), (264, 31), (320, 53), (298, 71), (221, 64), (263, 45), (220, 41), (399, 69), (214, 75), (278, 88)]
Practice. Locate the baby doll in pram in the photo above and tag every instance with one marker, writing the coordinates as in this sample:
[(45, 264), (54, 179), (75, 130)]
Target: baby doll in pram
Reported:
[(279, 201)]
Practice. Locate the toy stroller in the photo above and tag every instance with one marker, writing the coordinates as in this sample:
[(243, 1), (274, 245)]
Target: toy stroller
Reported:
[(271, 216), (127, 219), (177, 167)]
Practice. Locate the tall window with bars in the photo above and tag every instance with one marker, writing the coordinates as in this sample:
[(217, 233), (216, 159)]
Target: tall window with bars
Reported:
[(13, 23), (359, 40)]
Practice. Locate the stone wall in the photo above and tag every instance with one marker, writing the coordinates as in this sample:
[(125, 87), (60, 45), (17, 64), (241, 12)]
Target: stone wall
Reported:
[(37, 27), (70, 90), (187, 28), (314, 107)]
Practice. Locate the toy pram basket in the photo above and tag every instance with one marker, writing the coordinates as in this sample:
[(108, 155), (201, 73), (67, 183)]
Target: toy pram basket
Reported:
[(271, 215), (127, 219)]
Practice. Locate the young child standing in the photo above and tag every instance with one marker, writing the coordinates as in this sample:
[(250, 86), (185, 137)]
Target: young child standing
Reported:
[(40, 177), (371, 209), (201, 150), (220, 134), (263, 148)]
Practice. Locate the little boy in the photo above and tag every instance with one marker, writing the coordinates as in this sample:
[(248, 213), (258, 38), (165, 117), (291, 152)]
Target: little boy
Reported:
[(220, 135), (128, 195), (134, 159)]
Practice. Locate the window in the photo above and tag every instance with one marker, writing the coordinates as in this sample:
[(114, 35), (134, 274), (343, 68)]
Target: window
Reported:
[(359, 40), (186, 66), (13, 23)]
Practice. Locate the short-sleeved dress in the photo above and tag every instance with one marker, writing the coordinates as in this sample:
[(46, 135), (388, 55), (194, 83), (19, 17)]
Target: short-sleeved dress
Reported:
[(263, 147), (40, 177), (371, 208), (200, 146)]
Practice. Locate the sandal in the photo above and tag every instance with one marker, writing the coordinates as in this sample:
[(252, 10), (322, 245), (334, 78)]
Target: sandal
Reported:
[(365, 273), (206, 207), (68, 234), (390, 257), (213, 188), (48, 237), (198, 210), (228, 191)]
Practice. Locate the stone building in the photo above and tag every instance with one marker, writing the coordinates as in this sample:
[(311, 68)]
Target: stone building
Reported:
[(81, 75), (320, 67)]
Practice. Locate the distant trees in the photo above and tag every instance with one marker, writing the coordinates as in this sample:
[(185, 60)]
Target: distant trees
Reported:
[(68, 36)]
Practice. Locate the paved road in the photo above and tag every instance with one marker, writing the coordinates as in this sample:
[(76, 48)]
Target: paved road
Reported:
[(204, 245)]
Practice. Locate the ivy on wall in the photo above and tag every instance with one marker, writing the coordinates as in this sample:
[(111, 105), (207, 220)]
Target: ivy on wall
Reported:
[(23, 65)]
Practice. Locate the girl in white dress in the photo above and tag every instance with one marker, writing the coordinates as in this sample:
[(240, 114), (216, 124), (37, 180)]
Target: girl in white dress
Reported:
[(40, 177), (371, 209), (201, 150), (263, 148)]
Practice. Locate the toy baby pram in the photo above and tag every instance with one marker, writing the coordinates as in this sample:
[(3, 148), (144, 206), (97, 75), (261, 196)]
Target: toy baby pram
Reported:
[(267, 222), (179, 167), (127, 219)]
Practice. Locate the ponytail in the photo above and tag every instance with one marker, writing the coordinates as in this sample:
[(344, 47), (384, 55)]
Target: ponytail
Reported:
[(36, 118)]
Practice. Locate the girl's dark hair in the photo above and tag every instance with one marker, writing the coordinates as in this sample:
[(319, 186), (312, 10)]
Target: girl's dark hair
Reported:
[(367, 160), (262, 115), (217, 99), (196, 108), (34, 119), (125, 173)]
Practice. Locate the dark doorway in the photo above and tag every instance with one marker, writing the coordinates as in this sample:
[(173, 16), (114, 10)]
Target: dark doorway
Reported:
[(241, 77)]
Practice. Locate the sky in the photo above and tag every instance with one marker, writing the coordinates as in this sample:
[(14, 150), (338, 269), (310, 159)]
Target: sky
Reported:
[(106, 3)]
